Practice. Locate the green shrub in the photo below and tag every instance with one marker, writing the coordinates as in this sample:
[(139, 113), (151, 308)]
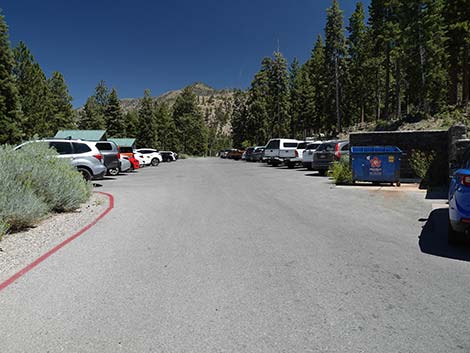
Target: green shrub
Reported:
[(33, 182), (421, 162), (341, 172), (183, 156)]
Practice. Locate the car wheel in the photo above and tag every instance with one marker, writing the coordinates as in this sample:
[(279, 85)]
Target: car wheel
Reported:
[(322, 172), (290, 165), (155, 162), (453, 237), (86, 174), (113, 171)]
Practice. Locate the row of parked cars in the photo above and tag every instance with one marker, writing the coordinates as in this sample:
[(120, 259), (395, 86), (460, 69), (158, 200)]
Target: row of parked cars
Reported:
[(313, 155), (95, 159)]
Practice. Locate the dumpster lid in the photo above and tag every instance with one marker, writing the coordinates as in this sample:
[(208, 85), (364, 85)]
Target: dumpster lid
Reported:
[(375, 149)]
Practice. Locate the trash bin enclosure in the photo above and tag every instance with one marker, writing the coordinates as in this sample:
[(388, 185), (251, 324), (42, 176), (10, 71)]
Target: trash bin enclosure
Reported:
[(376, 164)]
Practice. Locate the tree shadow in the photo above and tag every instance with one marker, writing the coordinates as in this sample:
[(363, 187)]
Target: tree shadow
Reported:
[(433, 237)]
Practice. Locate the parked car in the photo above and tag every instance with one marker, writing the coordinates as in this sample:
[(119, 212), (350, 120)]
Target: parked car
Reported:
[(140, 158), (341, 150), (168, 156), (258, 154), (295, 158), (151, 156), (307, 156), (459, 202), (248, 153), (111, 156), (83, 155), (278, 149), (128, 152), (323, 156), (224, 153), (125, 164), (235, 154)]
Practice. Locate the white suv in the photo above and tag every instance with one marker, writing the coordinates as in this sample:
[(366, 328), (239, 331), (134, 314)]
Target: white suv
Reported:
[(278, 150), (307, 156), (150, 156)]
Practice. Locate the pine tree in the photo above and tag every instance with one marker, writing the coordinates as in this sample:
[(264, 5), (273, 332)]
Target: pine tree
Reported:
[(61, 115), (189, 122), (167, 134), (147, 134), (358, 50), (335, 51), (423, 38), (315, 68), (114, 119), (278, 98), (296, 100), (239, 119), (33, 92), (91, 117), (131, 123)]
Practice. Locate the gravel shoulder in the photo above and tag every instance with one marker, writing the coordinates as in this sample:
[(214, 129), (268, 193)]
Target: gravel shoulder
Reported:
[(17, 250)]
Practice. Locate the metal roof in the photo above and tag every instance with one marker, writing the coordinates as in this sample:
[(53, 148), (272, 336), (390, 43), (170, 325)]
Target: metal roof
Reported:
[(123, 142), (93, 135)]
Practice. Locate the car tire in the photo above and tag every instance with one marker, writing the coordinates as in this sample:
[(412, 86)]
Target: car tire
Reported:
[(155, 162), (322, 172), (290, 165), (453, 237), (113, 171), (86, 174)]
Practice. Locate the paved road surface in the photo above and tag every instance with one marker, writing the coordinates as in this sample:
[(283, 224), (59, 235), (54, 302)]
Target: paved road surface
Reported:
[(208, 255)]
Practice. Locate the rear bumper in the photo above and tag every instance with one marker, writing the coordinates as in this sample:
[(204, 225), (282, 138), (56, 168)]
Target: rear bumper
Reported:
[(460, 226), (321, 165), (100, 174)]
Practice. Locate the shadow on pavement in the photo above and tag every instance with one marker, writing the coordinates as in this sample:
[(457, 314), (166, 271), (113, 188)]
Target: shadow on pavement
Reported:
[(433, 238)]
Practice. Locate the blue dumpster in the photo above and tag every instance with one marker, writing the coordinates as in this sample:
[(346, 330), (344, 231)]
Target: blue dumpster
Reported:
[(380, 164)]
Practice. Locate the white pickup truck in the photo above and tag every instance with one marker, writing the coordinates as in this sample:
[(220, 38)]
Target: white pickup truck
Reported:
[(278, 150)]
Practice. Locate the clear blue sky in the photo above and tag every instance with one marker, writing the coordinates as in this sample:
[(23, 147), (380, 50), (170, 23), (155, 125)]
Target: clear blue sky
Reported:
[(163, 45)]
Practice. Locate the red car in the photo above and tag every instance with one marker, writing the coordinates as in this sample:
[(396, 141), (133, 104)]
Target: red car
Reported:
[(128, 152)]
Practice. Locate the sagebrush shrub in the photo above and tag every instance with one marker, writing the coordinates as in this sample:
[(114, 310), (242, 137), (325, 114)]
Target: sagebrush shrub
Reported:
[(341, 171), (34, 181)]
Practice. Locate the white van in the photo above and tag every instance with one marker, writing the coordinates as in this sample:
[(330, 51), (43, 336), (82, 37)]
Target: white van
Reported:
[(279, 149)]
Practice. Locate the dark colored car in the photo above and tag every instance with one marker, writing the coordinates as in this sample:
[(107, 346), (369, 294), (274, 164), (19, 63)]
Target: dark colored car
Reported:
[(258, 153), (235, 154), (249, 153), (111, 156), (224, 153), (324, 156)]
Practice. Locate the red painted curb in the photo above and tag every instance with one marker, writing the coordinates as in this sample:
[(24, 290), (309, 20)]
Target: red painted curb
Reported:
[(56, 248)]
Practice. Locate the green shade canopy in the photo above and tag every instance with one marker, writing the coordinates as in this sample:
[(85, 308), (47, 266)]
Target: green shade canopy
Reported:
[(93, 135), (123, 142)]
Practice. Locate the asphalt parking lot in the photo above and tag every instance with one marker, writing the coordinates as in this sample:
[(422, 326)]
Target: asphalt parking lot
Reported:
[(211, 255)]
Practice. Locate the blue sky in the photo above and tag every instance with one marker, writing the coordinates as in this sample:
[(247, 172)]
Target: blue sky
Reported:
[(163, 45)]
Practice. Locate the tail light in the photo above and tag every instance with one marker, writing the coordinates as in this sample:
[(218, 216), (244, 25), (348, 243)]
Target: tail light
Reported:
[(119, 155), (98, 157), (465, 180), (296, 153), (337, 152)]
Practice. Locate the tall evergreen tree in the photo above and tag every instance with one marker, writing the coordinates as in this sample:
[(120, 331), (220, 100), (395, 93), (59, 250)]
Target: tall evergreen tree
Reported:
[(167, 134), (296, 100), (358, 51), (278, 98), (114, 119), (91, 117), (239, 119), (189, 121), (147, 134), (61, 115), (131, 123), (335, 51), (33, 92)]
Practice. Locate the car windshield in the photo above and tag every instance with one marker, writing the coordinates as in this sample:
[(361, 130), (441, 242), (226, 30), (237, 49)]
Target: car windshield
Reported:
[(326, 147), (302, 145), (104, 146), (313, 146)]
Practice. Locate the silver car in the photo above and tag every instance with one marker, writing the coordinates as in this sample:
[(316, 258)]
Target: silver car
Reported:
[(83, 155)]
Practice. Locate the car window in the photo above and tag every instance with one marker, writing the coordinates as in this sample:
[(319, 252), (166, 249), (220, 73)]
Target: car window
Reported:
[(290, 144), (326, 147), (126, 149), (104, 146), (313, 146), (61, 147), (274, 144), (345, 147), (80, 147)]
